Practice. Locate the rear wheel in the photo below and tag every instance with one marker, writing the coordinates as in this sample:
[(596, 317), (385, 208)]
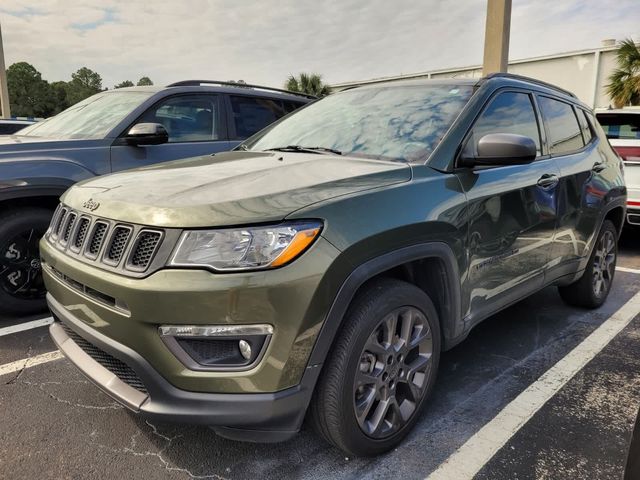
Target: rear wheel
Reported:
[(592, 289), (22, 290), (381, 370)]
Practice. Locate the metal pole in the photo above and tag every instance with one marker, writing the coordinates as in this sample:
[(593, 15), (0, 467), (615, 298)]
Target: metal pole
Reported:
[(496, 36), (4, 91)]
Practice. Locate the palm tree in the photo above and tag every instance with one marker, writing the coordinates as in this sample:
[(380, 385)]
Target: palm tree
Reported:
[(309, 83), (624, 88)]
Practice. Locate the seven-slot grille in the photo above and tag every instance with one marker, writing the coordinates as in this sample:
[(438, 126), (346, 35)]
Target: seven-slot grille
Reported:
[(114, 245)]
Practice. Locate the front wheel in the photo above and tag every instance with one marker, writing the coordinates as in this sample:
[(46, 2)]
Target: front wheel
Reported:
[(593, 287), (380, 371), (22, 290)]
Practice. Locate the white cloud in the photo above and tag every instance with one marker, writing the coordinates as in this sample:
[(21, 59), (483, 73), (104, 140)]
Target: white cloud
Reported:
[(262, 42)]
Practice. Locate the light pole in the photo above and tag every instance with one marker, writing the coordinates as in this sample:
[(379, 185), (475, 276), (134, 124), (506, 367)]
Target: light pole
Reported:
[(4, 91), (496, 36)]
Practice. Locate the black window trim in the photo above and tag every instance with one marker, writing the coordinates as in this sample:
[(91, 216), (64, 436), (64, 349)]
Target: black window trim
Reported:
[(574, 107), (222, 114), (544, 153)]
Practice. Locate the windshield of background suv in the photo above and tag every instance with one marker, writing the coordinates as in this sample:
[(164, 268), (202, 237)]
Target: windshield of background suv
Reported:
[(403, 123), (91, 118), (624, 126)]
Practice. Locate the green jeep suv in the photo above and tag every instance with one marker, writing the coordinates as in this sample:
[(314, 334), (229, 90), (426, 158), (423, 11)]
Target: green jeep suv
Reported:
[(321, 269)]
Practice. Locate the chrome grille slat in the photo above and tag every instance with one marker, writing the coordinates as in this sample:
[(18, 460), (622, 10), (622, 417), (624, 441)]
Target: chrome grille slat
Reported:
[(144, 249), (81, 233), (117, 244), (68, 228), (97, 237)]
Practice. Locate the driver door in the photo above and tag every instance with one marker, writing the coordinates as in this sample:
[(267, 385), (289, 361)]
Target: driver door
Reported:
[(195, 124)]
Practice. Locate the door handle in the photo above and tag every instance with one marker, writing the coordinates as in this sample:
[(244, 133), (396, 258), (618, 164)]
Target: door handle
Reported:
[(548, 180), (598, 167)]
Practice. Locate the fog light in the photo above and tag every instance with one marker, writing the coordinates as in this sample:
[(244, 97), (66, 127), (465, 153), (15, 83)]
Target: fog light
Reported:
[(245, 349), (217, 347)]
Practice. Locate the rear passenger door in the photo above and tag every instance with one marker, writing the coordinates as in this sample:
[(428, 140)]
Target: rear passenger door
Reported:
[(250, 114), (511, 210), (196, 125), (581, 189)]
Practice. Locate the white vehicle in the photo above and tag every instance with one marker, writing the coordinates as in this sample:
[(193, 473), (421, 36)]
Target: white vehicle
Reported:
[(622, 127)]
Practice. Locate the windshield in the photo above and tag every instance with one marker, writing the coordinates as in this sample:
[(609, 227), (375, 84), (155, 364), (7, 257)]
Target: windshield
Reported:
[(91, 118), (402, 122)]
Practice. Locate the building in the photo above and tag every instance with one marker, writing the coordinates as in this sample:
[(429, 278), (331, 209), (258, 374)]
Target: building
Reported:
[(583, 72)]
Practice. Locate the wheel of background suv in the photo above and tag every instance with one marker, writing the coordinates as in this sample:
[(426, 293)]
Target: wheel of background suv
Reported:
[(21, 287), (593, 288), (380, 370)]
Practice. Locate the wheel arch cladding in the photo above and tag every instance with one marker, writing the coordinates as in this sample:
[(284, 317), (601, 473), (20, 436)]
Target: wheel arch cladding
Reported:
[(439, 278)]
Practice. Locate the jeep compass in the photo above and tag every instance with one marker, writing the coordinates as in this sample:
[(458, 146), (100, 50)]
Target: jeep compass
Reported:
[(321, 268)]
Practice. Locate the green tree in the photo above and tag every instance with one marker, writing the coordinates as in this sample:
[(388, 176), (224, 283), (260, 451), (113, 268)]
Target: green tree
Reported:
[(84, 83), (309, 83), (144, 82), (624, 86), (30, 95), (126, 83), (59, 96)]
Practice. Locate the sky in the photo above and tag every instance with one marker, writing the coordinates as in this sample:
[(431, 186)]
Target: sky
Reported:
[(265, 41)]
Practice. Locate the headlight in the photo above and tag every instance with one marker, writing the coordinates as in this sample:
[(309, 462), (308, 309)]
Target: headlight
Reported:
[(248, 248)]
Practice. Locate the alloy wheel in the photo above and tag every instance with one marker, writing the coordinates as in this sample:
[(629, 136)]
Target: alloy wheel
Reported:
[(20, 269), (393, 372), (604, 263)]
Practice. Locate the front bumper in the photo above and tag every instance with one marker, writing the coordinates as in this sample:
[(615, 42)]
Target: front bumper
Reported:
[(258, 416)]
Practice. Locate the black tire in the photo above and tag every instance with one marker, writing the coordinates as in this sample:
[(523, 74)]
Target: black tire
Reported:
[(20, 232), (599, 271), (338, 396)]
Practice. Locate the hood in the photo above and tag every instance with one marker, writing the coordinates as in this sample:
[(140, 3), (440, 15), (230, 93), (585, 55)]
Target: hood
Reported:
[(233, 188)]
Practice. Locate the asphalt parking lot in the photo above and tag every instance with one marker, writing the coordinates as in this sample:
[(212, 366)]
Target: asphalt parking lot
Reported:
[(574, 422)]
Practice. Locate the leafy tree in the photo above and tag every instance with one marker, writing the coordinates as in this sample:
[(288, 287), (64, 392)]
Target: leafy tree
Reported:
[(144, 82), (29, 94), (309, 83), (84, 83), (624, 86), (126, 83), (59, 97)]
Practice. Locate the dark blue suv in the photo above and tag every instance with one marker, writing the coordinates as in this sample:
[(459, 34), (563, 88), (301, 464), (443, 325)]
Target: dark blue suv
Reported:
[(111, 131)]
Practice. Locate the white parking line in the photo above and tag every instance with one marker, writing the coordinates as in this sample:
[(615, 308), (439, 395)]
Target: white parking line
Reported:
[(29, 362), (21, 327), (469, 459), (628, 270)]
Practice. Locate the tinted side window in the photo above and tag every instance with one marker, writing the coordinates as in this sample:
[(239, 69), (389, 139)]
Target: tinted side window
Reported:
[(290, 106), (9, 128), (509, 112), (564, 131), (252, 114), (587, 134), (188, 118), (620, 125)]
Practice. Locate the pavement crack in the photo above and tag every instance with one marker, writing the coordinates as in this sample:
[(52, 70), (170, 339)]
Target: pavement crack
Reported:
[(41, 386), (22, 369)]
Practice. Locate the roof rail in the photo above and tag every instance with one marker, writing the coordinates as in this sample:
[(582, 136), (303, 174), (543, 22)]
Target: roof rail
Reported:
[(529, 79), (197, 83)]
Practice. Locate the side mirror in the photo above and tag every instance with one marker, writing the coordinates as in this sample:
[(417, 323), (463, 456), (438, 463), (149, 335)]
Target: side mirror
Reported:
[(146, 134), (501, 149)]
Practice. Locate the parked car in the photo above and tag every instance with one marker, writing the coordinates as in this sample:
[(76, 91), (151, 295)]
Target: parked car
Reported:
[(111, 131), (323, 266), (622, 127), (9, 126)]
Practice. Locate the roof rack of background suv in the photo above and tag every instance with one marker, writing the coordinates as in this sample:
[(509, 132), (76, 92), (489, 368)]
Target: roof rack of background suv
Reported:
[(197, 83), (531, 80)]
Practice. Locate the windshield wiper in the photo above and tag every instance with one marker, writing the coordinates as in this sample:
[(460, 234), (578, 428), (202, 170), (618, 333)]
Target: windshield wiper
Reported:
[(299, 148)]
